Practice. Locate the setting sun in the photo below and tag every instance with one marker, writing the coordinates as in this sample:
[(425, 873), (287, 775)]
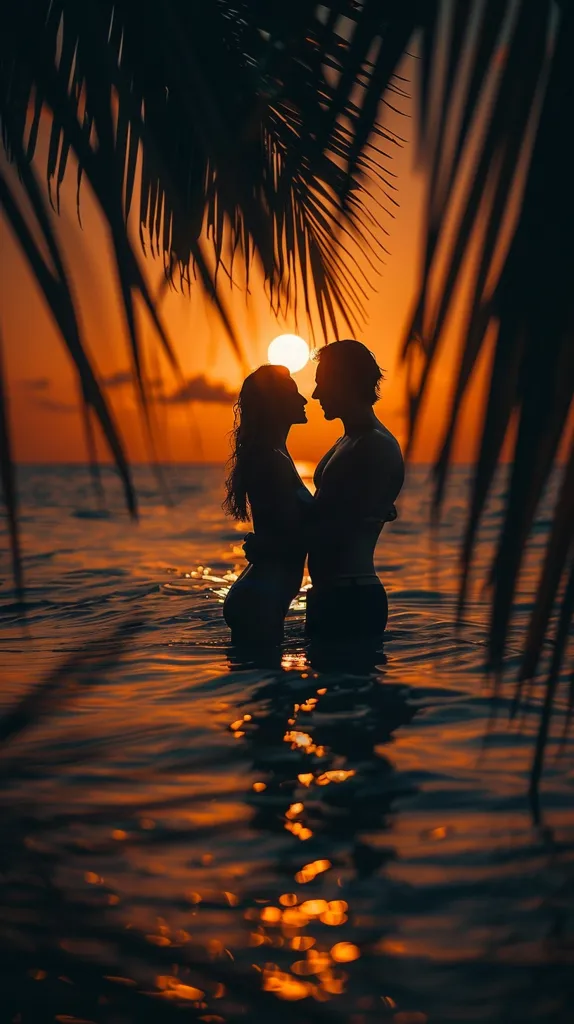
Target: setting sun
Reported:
[(289, 350)]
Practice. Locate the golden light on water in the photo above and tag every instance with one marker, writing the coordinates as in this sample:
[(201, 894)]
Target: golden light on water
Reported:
[(289, 350)]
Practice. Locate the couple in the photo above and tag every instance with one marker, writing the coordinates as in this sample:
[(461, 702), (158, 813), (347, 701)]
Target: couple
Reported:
[(356, 482)]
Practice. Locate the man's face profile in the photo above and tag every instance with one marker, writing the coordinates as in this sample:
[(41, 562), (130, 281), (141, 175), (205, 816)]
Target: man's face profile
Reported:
[(328, 392)]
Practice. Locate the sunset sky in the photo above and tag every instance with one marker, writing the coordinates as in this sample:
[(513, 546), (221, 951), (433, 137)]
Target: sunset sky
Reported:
[(43, 394)]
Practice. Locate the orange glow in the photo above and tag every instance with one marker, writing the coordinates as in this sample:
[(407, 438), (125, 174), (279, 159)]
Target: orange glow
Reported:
[(318, 961), (271, 915), (284, 985), (310, 871), (305, 778), (158, 940), (172, 988), (344, 952), (288, 899), (193, 897), (302, 967), (330, 917), (294, 810), (46, 427), (314, 907), (335, 776), (294, 916)]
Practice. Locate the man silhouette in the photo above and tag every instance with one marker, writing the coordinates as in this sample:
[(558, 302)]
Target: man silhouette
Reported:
[(357, 483)]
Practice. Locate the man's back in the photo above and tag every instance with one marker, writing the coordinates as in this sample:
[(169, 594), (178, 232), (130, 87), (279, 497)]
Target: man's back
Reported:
[(357, 483)]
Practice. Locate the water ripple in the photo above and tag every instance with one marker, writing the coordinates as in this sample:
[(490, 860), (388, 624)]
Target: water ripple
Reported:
[(232, 832)]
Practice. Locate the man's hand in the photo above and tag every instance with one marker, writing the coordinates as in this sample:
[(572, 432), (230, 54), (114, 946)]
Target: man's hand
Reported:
[(255, 548), (258, 549), (250, 547)]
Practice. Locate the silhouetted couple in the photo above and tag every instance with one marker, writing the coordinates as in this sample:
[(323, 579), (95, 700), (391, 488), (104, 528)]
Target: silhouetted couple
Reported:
[(356, 482)]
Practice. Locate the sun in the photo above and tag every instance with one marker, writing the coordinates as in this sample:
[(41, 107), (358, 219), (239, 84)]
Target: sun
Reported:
[(289, 350)]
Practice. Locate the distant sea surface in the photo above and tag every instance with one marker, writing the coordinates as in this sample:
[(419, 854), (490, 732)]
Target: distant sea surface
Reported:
[(260, 841)]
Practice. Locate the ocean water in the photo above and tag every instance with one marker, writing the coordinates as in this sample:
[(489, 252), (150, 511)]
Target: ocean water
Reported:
[(191, 833)]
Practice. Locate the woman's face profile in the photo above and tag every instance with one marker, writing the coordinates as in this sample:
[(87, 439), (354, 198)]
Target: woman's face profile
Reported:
[(271, 396), (293, 402)]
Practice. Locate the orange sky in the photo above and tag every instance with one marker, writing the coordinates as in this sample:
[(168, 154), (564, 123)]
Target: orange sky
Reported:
[(43, 400)]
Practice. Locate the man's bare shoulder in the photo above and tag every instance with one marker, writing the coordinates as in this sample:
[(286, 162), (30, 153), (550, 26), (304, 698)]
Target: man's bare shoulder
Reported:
[(382, 447)]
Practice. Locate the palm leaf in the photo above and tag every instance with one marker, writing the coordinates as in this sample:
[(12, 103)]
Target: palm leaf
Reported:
[(7, 474), (561, 640), (522, 164), (530, 305), (56, 290)]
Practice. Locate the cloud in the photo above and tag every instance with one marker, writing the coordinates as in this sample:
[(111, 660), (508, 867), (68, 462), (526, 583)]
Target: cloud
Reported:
[(54, 406), (116, 380), (36, 383), (199, 389), (195, 389), (124, 377)]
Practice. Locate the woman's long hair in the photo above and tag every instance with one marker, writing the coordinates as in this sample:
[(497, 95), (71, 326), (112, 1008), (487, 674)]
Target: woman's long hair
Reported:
[(257, 412)]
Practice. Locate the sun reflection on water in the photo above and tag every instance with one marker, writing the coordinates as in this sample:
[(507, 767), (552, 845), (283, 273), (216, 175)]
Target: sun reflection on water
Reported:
[(292, 916)]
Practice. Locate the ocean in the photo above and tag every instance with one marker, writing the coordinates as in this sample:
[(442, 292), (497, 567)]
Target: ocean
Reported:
[(190, 833)]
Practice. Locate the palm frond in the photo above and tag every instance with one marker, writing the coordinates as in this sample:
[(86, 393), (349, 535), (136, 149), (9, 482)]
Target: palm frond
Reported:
[(524, 293), (56, 289), (7, 474), (494, 85), (561, 640), (227, 133)]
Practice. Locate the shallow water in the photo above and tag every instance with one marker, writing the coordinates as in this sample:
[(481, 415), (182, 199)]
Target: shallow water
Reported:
[(188, 832)]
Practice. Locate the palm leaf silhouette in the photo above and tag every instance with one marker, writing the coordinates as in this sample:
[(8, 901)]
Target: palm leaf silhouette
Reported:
[(527, 300), (249, 131)]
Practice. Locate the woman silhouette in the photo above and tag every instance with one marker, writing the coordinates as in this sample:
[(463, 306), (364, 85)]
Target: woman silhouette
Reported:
[(264, 485)]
